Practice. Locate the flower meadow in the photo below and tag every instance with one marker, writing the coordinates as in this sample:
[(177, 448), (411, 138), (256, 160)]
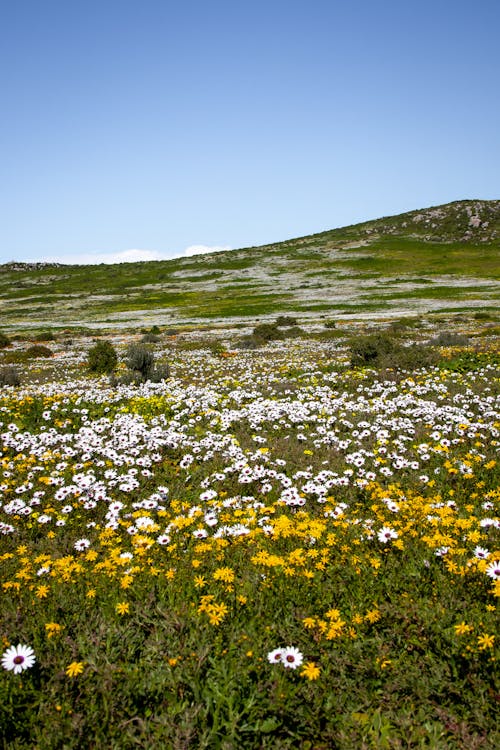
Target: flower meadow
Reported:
[(268, 549)]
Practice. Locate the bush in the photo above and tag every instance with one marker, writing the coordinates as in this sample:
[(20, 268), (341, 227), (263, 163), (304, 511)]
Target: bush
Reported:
[(285, 320), (4, 341), (380, 350), (9, 376), (102, 358), (150, 338), (368, 350), (38, 350), (330, 324), (45, 336), (449, 339), (268, 332), (265, 332), (249, 342), (161, 372), (140, 360)]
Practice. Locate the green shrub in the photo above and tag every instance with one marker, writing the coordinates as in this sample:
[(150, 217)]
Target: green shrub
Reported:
[(268, 332), (38, 350), (159, 373), (45, 336), (330, 324), (380, 350), (249, 342), (285, 320), (265, 332), (368, 350), (449, 339), (4, 341), (9, 376), (140, 360), (150, 338), (102, 358)]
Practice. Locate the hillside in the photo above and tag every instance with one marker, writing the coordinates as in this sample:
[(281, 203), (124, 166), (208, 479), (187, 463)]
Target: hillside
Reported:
[(439, 258)]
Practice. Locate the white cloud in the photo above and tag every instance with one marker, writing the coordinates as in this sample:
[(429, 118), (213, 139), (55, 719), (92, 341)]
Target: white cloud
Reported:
[(128, 256), (124, 256), (204, 249)]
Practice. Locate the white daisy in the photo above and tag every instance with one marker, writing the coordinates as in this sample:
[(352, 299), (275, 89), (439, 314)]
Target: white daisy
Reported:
[(18, 658), (275, 655), (481, 552), (81, 544), (386, 533), (291, 657), (493, 570)]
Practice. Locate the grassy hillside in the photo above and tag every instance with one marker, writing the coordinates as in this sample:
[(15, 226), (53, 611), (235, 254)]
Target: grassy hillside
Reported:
[(445, 257)]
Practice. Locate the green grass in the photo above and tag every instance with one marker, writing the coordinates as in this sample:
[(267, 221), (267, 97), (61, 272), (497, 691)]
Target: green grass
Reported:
[(169, 645), (395, 249)]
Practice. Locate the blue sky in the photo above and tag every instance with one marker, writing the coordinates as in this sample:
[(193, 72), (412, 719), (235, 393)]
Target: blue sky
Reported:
[(151, 129)]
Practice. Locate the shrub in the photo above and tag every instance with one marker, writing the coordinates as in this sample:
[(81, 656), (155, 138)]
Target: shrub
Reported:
[(249, 342), (4, 341), (449, 339), (161, 372), (140, 360), (265, 332), (380, 350), (102, 357), (330, 324), (268, 332), (368, 350), (45, 336), (150, 338), (9, 376), (38, 350), (285, 320)]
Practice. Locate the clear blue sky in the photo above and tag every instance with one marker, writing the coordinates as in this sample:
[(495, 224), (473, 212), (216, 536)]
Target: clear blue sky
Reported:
[(156, 125)]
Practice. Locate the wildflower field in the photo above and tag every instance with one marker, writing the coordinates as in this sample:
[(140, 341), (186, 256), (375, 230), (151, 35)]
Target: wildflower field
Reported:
[(269, 548)]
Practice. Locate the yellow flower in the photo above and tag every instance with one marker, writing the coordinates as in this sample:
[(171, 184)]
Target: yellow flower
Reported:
[(485, 641), (462, 628), (52, 628), (123, 608), (216, 613), (90, 594), (75, 668), (311, 671), (42, 592), (372, 616), (199, 582), (224, 574), (309, 622)]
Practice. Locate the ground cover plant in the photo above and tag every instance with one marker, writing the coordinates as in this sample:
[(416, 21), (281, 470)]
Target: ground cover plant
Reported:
[(417, 261), (269, 548)]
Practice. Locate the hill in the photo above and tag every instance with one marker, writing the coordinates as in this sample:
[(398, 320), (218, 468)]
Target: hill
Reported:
[(442, 258)]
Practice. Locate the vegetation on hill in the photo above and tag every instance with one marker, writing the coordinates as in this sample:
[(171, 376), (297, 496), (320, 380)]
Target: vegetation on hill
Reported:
[(444, 257)]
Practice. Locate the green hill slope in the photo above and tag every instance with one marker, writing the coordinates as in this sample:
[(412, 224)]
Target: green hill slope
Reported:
[(445, 257)]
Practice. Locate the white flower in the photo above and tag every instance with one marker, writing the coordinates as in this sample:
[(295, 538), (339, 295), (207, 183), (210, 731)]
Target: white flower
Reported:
[(275, 655), (81, 545), (493, 570), (291, 657), (18, 658), (481, 552), (386, 533)]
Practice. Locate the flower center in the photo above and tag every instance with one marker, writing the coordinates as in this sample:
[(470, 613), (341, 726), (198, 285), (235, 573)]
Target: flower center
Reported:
[(290, 659), (18, 659)]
